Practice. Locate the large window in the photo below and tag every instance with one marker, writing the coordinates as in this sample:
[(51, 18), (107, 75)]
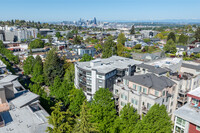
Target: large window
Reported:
[(145, 90), (180, 122), (100, 81), (195, 101), (134, 86), (163, 93), (179, 130), (134, 101), (139, 88), (157, 93), (123, 96), (148, 106), (116, 91)]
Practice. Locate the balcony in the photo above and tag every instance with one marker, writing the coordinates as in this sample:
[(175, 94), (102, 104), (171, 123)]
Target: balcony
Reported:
[(182, 99), (144, 110)]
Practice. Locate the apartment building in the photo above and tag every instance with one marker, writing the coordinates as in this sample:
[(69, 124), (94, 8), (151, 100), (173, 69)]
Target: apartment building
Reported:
[(102, 73), (187, 118), (143, 91), (20, 110)]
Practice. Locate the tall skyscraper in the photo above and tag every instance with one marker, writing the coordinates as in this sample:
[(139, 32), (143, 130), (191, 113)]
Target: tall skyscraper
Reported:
[(95, 20)]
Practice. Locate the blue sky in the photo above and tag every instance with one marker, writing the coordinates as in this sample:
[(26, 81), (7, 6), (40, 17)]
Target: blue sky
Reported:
[(131, 10)]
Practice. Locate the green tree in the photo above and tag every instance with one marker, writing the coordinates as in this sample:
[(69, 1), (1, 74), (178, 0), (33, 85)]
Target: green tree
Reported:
[(69, 72), (138, 46), (86, 57), (170, 47), (109, 48), (28, 65), (75, 105), (62, 121), (127, 120), (120, 49), (156, 120), (58, 35), (197, 34), (37, 43), (83, 124), (37, 75), (171, 36), (98, 47), (103, 110), (53, 67), (146, 40), (121, 39), (183, 39), (132, 31)]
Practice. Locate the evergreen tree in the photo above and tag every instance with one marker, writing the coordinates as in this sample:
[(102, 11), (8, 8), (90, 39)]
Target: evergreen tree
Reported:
[(170, 47), (183, 39), (127, 120), (121, 38), (197, 34), (171, 36), (53, 67), (37, 75), (109, 48), (62, 121), (103, 110), (28, 65), (132, 31), (69, 72), (120, 49), (75, 105), (83, 124), (155, 121)]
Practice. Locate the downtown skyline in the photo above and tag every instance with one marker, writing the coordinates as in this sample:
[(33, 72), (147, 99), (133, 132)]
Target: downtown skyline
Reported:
[(110, 10)]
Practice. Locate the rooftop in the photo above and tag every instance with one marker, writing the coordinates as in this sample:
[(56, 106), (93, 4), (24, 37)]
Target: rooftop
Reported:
[(195, 93), (151, 81), (106, 65), (189, 113), (153, 69)]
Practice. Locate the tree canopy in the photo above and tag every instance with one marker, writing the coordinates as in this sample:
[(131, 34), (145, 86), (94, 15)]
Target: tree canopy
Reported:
[(109, 48), (132, 31), (121, 39), (197, 34), (170, 47), (183, 39), (103, 110), (37, 43), (62, 121), (126, 121), (28, 65), (156, 120), (53, 66), (171, 36), (86, 57)]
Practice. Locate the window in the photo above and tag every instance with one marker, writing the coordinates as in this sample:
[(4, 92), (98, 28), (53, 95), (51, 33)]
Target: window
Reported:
[(89, 89), (198, 128), (171, 103), (134, 86), (122, 103), (139, 89), (116, 91), (148, 106), (124, 97), (163, 93), (145, 90), (180, 121), (156, 93), (100, 86), (132, 101), (99, 76), (195, 101), (88, 74), (179, 130), (100, 81)]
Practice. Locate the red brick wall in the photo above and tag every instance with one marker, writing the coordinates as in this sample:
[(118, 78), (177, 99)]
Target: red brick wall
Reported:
[(192, 128)]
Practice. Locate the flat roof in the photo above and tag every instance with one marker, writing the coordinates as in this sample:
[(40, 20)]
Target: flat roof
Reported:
[(108, 64), (195, 93), (189, 113)]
